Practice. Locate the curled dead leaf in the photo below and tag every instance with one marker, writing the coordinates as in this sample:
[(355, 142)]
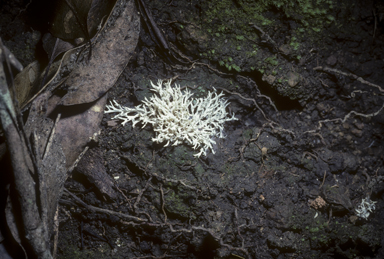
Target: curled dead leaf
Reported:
[(111, 54)]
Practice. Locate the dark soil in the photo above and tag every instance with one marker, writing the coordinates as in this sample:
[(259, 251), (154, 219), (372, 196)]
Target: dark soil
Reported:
[(284, 183)]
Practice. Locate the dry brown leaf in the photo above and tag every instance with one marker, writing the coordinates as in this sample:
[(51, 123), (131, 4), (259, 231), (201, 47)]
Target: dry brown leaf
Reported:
[(76, 131), (98, 14), (87, 82), (49, 43), (110, 56), (125, 26), (53, 171)]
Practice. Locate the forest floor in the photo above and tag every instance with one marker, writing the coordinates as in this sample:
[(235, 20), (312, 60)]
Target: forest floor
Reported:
[(306, 150)]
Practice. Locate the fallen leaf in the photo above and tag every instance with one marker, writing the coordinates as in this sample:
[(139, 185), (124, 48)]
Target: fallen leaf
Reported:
[(111, 54)]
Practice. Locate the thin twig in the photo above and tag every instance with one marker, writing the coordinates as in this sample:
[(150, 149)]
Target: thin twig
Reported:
[(110, 212), (335, 71), (321, 185), (248, 99)]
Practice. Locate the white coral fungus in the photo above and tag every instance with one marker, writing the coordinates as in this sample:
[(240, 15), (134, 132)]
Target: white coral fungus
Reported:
[(177, 118), (365, 208)]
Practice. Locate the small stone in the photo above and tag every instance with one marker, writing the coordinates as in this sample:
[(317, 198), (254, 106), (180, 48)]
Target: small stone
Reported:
[(321, 107), (360, 126), (269, 79), (353, 219), (293, 79), (264, 151), (357, 132), (345, 125)]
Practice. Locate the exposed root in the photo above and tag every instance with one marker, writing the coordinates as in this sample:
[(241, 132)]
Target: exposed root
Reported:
[(335, 71)]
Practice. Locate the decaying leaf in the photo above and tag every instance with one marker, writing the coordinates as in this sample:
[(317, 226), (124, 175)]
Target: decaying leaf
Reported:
[(75, 131), (53, 171), (79, 18), (70, 19), (97, 14), (49, 43), (88, 81), (111, 54), (76, 91), (11, 222), (85, 101)]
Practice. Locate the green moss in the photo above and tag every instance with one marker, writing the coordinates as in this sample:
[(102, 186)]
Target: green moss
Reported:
[(314, 230), (231, 17), (272, 60), (237, 68), (231, 29), (294, 44)]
